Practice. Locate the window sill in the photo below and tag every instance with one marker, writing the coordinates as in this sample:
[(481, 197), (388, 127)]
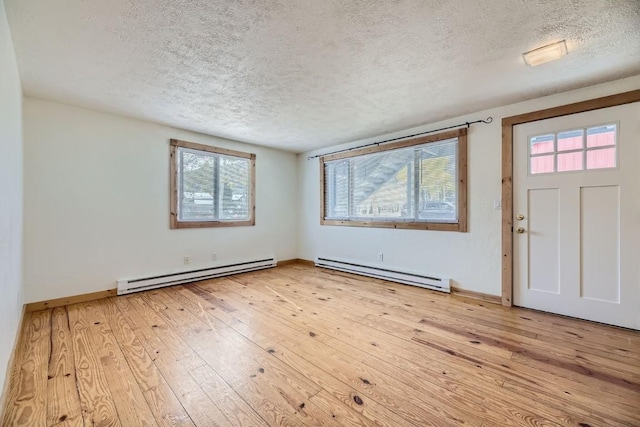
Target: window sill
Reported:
[(210, 224), (436, 226)]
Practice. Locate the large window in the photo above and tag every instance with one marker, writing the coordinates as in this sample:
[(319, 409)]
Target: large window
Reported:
[(418, 183), (211, 187)]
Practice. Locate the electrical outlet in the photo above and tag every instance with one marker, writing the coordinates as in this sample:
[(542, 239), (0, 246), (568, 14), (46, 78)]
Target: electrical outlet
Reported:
[(380, 257), (214, 256), (187, 260)]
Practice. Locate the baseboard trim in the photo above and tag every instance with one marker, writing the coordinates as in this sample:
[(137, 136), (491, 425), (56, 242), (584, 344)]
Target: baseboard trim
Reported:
[(17, 341), (493, 299), (59, 302), (295, 261), (287, 262), (308, 262)]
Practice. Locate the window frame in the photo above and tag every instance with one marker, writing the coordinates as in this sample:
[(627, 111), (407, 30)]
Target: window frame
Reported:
[(460, 225), (585, 149), (175, 223)]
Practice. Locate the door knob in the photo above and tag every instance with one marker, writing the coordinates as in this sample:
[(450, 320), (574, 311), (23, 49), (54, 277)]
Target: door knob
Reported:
[(519, 217), (519, 230)]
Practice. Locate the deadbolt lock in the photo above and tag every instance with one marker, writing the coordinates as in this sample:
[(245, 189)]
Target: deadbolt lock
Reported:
[(519, 217)]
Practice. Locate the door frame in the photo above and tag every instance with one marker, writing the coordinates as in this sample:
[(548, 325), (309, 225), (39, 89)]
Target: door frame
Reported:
[(507, 169)]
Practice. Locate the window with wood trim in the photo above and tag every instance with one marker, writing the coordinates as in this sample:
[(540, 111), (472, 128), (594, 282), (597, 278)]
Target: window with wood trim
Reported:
[(419, 183), (210, 186)]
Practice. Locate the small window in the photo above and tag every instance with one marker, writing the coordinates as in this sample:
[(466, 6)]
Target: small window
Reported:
[(211, 187), (418, 184), (575, 150)]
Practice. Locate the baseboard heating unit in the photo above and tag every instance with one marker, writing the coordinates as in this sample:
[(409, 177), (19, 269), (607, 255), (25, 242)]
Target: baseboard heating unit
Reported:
[(433, 282), (158, 281)]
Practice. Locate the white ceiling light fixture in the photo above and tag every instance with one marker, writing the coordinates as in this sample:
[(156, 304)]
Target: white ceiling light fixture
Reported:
[(545, 54)]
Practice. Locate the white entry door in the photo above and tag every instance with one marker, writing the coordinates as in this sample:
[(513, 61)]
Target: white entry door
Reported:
[(576, 218)]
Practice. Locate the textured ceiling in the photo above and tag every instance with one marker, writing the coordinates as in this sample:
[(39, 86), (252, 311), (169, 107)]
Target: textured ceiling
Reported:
[(302, 74)]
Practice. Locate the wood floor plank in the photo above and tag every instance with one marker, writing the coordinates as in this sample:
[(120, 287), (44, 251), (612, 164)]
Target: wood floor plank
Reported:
[(232, 405), (27, 402), (343, 393), (163, 403), (316, 308), (304, 346), (131, 405), (280, 389), (199, 407), (449, 400), (333, 332), (166, 407), (343, 407), (252, 353), (479, 311), (142, 367), (63, 401), (151, 330), (516, 336), (357, 379), (96, 400), (577, 361), (391, 292), (168, 335), (587, 387)]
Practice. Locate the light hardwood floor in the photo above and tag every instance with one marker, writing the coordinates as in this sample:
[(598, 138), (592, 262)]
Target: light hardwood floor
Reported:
[(302, 346)]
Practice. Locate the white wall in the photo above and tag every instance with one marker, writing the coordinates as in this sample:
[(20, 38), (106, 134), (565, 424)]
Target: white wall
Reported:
[(473, 259), (10, 196), (97, 203)]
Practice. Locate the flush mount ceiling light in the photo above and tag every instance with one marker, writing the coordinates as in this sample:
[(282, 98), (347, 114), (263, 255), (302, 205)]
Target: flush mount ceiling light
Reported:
[(544, 54)]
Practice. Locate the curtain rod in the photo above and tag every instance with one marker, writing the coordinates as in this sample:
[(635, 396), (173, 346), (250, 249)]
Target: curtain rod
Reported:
[(467, 124)]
